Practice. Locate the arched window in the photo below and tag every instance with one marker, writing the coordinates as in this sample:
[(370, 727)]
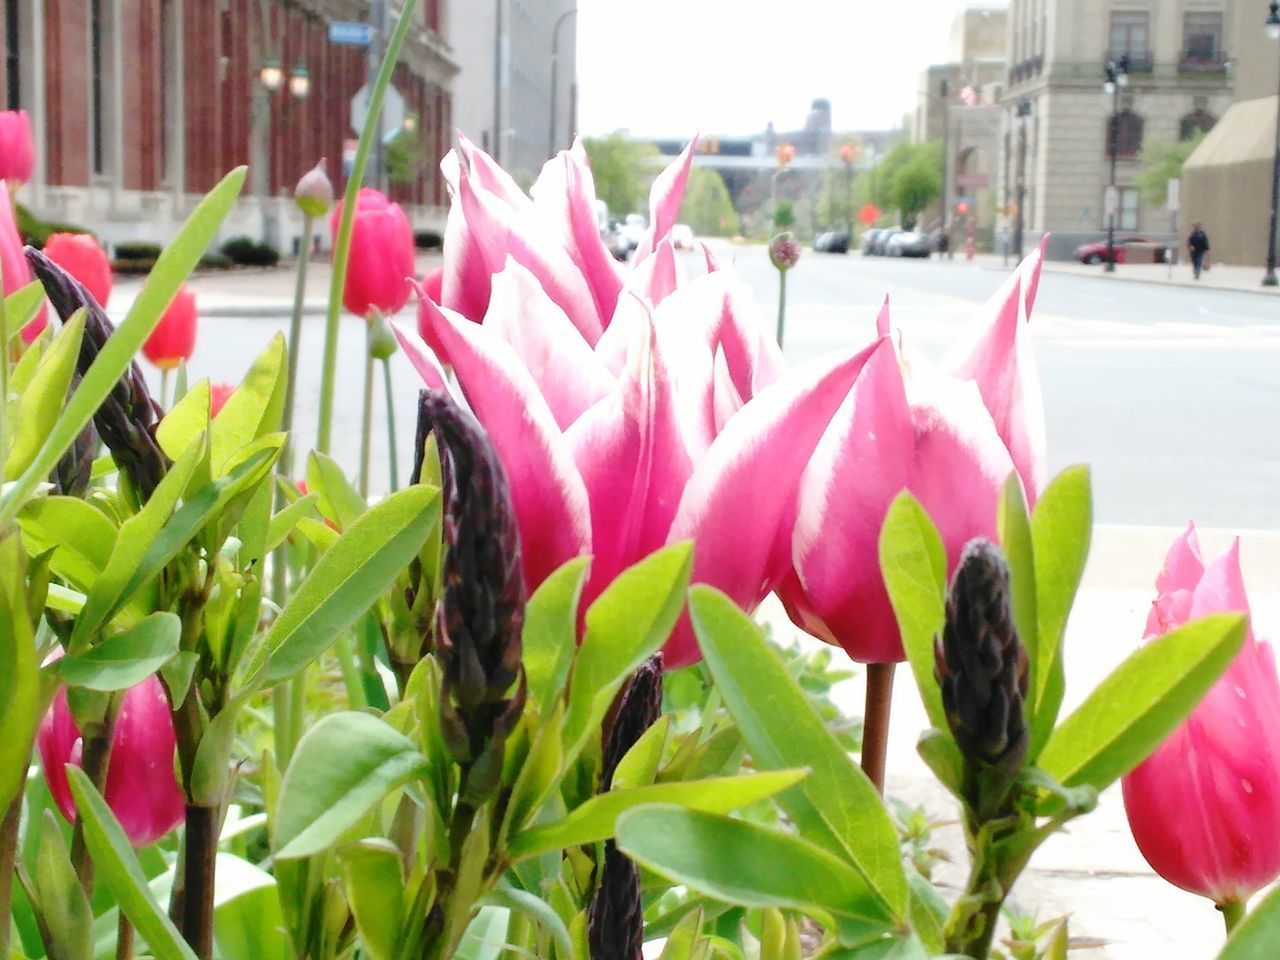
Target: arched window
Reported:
[(1196, 122), (1126, 129)]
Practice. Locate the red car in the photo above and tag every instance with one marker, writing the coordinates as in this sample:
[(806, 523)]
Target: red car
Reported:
[(1097, 252)]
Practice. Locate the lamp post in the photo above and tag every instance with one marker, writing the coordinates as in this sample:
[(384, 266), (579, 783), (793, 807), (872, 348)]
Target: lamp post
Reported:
[(847, 155), (1269, 280), (1024, 111), (555, 63), (1117, 77)]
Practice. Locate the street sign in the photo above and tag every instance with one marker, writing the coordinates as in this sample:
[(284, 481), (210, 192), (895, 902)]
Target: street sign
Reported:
[(350, 34), (972, 180), (349, 148), (1111, 202), (1174, 193), (393, 112)]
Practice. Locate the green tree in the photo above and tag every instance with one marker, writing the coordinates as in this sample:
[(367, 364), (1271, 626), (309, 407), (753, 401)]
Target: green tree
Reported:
[(707, 206), (623, 169), (837, 203), (908, 179), (1162, 162)]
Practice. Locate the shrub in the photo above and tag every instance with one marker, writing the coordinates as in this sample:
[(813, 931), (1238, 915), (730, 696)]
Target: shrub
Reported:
[(36, 232), (248, 252), (428, 240), (138, 251), (138, 266), (215, 261)]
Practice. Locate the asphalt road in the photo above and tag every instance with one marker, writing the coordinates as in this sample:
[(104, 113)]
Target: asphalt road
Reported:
[(1172, 394)]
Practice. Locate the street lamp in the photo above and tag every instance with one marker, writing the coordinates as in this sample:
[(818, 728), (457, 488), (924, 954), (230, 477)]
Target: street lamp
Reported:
[(1024, 111), (271, 74), (299, 82), (1269, 280), (555, 63), (848, 153), (1117, 78)]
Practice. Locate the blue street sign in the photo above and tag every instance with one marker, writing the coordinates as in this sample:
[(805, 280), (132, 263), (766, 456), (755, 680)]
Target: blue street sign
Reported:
[(351, 34)]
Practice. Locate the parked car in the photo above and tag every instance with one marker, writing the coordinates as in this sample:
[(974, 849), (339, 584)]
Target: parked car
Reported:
[(869, 241), (881, 246), (1097, 252), (617, 243), (909, 243), (682, 237), (631, 232), (831, 241)]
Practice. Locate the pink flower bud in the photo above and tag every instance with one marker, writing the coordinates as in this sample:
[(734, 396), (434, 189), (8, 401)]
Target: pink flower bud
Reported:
[(141, 788), (219, 394), (174, 338), (784, 251), (17, 151), (80, 255), (381, 264), (314, 192)]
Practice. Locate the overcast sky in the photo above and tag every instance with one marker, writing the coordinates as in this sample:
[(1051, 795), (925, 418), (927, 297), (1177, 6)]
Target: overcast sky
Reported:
[(674, 67)]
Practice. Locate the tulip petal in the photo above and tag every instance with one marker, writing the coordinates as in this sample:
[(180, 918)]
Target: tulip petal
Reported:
[(658, 276), (422, 356), (464, 287), (568, 373), (550, 498), (487, 174), (665, 197), (1221, 588), (16, 272), (746, 484), (1175, 586)]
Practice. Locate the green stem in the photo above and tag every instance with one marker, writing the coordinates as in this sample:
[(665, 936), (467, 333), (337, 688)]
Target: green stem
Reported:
[(1232, 913), (782, 304), (201, 842), (124, 938), (164, 388), (875, 721), (4, 385), (297, 710), (280, 709), (345, 648), (366, 421), (342, 244), (391, 424)]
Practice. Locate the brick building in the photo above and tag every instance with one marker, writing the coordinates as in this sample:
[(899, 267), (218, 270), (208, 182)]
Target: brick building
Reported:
[(140, 106)]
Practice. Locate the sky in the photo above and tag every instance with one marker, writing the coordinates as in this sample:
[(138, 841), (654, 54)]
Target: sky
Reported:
[(676, 67)]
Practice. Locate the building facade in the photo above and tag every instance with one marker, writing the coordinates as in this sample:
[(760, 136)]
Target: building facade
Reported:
[(140, 106), (505, 97), (1179, 84)]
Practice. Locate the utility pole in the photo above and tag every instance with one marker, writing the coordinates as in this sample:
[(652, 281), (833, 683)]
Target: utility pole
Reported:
[(497, 80), (555, 63), (946, 166), (373, 63), (1024, 111)]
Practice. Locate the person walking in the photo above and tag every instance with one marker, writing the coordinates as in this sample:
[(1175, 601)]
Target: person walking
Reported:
[(1198, 245)]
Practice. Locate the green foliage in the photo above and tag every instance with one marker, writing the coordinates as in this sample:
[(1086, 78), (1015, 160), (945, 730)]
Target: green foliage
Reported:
[(837, 201), (37, 232), (1257, 935), (623, 169), (1162, 161), (908, 179), (406, 155), (784, 216), (248, 252), (707, 207)]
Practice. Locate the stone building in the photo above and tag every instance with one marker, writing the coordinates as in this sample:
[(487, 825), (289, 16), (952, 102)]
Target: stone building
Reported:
[(1179, 83), (139, 106), (507, 47)]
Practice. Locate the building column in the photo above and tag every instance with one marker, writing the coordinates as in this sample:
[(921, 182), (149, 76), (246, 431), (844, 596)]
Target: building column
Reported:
[(174, 175), (113, 127), (31, 89)]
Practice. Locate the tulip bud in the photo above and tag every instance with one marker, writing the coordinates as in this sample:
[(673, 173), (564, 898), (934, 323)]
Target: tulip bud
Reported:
[(17, 151), (219, 394), (74, 471), (481, 609), (80, 255), (981, 667), (141, 788), (381, 264), (639, 706), (784, 251), (382, 341), (14, 272), (314, 192), (127, 419), (174, 339)]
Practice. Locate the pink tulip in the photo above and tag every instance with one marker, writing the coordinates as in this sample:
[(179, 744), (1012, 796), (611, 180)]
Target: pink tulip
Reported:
[(665, 197), (17, 151), (141, 788), (1205, 807), (16, 271), (219, 394), (381, 263), (174, 339), (80, 255)]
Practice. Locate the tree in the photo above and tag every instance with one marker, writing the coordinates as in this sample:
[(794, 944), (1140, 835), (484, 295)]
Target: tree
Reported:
[(908, 179), (623, 169), (1163, 162), (707, 206), (837, 200)]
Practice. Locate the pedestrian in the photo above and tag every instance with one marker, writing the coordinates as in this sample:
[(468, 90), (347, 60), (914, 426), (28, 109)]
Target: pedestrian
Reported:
[(1198, 245)]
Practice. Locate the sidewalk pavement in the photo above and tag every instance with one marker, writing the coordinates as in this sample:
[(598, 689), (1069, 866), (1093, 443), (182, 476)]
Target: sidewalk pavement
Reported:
[(1221, 276), (1094, 871)]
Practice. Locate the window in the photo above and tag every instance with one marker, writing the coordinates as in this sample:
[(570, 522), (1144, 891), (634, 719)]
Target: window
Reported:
[(12, 75), (1131, 35), (1195, 123), (1125, 128), (96, 99), (1130, 204), (1202, 43)]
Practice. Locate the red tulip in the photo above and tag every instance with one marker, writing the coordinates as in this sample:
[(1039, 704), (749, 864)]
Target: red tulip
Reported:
[(14, 266), (381, 262), (17, 152), (1205, 807), (80, 255), (174, 338), (219, 394), (141, 788)]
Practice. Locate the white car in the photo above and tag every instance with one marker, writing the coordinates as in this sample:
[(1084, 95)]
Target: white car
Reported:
[(682, 237), (632, 232)]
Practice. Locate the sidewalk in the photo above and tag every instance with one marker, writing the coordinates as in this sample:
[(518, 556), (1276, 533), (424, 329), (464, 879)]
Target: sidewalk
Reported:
[(1221, 277)]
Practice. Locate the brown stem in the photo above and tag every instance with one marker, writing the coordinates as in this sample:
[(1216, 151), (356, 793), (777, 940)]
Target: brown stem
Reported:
[(124, 939), (197, 886), (875, 721), (95, 761), (8, 861)]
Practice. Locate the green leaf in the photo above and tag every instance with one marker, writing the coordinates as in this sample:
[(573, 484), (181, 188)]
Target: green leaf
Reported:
[(343, 765), (1060, 530), (914, 565), (928, 912), (283, 522), (375, 889), (339, 500), (1016, 543), (187, 420), (639, 766), (1143, 700), (628, 623), (486, 935), (551, 632), (540, 772), (836, 807), (175, 263), (63, 902), (253, 410), (21, 306), (125, 659), (597, 818), (119, 871), (81, 536), (746, 863), (536, 909), (344, 584), (247, 921), (20, 679), (41, 402), (1257, 935)]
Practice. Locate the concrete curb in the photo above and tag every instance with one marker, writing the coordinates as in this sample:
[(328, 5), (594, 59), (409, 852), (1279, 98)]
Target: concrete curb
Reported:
[(1050, 267)]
